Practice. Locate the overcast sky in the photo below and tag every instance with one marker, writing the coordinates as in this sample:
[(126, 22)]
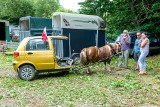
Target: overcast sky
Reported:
[(71, 4)]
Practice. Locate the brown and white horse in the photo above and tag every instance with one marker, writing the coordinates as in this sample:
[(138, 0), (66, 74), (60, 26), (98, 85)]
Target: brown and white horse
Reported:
[(102, 54), (89, 55), (106, 52), (116, 47)]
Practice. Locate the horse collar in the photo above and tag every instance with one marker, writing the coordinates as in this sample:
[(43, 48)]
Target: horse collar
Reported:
[(112, 49), (100, 53)]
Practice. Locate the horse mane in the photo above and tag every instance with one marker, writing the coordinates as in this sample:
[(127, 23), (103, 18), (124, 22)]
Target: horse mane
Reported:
[(112, 48)]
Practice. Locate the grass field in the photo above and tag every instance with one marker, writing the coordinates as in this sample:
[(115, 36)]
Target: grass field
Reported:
[(119, 88)]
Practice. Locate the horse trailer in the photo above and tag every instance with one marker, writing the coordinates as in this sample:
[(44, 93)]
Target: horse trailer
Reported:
[(4, 29), (4, 36), (33, 26), (82, 30)]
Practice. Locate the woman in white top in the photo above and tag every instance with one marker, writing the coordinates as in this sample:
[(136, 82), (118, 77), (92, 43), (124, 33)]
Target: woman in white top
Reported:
[(144, 49)]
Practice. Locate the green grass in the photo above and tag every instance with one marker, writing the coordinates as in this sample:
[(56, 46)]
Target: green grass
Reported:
[(10, 50), (5, 61), (124, 88)]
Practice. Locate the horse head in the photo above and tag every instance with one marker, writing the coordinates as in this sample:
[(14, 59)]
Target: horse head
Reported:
[(113, 49), (116, 47), (119, 50)]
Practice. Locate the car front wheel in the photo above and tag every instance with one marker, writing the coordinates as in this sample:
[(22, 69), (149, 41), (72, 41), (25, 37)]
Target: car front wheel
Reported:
[(26, 72)]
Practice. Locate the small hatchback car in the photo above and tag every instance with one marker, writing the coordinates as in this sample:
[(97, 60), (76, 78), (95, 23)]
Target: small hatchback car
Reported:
[(34, 55)]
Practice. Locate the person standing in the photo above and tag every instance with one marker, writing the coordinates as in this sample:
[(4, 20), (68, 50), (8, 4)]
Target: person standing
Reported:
[(136, 50), (125, 41), (144, 49)]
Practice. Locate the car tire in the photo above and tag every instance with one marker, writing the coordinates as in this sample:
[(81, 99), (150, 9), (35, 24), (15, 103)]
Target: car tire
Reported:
[(27, 72), (76, 59)]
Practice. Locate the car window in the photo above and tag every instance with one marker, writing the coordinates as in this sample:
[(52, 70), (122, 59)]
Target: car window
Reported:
[(153, 39), (133, 37), (37, 44)]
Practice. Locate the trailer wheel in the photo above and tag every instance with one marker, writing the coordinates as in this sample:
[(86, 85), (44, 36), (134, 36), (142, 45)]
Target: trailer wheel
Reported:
[(26, 72), (76, 59)]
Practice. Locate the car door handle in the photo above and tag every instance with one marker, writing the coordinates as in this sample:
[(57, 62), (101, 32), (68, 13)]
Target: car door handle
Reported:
[(29, 53)]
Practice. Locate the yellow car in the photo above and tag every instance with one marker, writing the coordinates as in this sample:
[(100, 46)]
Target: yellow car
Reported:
[(34, 55)]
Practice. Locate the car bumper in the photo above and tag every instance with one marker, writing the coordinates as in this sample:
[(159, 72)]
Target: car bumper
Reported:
[(15, 65)]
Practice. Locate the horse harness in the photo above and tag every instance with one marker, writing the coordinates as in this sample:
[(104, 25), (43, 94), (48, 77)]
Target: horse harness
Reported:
[(113, 51)]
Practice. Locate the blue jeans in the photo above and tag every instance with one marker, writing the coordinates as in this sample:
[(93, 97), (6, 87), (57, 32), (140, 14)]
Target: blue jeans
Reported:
[(142, 60), (136, 56)]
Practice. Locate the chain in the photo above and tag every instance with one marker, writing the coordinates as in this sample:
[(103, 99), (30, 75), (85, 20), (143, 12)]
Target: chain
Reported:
[(79, 68), (104, 59)]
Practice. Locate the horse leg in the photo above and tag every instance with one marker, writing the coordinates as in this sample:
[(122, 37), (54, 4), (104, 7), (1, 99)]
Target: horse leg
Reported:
[(109, 65), (105, 65), (88, 71)]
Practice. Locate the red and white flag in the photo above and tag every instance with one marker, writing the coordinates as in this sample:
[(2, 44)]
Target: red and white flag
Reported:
[(44, 35)]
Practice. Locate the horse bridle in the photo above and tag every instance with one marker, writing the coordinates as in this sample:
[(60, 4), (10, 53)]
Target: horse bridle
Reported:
[(113, 51)]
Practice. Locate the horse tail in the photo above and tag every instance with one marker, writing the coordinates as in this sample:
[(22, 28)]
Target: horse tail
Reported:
[(83, 57)]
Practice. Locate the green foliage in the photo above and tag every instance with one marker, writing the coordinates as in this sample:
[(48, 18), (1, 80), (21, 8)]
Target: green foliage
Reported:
[(12, 10), (118, 14), (45, 8), (5, 60), (100, 89), (127, 85), (65, 10), (153, 20), (125, 14)]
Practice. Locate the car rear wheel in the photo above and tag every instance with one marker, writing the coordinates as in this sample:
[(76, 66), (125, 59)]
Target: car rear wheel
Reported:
[(26, 72)]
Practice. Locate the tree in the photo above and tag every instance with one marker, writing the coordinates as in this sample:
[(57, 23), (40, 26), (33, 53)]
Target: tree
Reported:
[(113, 13), (152, 21), (65, 10), (125, 14), (12, 10), (45, 8)]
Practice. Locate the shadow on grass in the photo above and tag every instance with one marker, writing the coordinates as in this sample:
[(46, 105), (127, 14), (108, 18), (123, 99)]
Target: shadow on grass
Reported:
[(51, 74), (115, 72), (100, 71), (45, 75)]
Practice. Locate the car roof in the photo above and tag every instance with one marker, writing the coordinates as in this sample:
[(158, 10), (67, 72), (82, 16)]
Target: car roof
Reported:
[(54, 37), (133, 32)]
